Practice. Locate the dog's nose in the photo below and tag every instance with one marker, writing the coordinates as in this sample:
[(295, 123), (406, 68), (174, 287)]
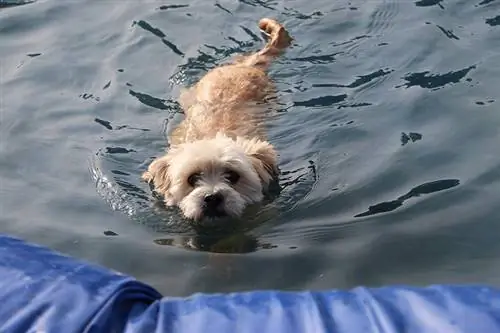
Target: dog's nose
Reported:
[(213, 200)]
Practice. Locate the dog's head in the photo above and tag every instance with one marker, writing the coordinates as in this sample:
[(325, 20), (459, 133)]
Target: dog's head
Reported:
[(214, 177)]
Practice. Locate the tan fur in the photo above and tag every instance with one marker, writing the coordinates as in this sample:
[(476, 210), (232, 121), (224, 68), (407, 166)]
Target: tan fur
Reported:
[(223, 130)]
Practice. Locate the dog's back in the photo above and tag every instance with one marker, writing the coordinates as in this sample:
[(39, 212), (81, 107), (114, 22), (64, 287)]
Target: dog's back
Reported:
[(226, 98)]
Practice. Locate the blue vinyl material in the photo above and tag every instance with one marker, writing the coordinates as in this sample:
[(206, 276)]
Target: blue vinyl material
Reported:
[(44, 291)]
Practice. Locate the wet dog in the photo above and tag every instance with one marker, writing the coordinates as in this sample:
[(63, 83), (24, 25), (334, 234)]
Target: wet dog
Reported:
[(219, 160)]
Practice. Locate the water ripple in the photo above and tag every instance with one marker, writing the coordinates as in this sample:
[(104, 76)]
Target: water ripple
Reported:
[(158, 33), (301, 16), (493, 21), (322, 101), (167, 7), (412, 136), (124, 196), (485, 2), (428, 3), (206, 61), (320, 59), (13, 3), (361, 80), (157, 103), (382, 17), (218, 5), (259, 3), (448, 33), (107, 125), (427, 188), (435, 81)]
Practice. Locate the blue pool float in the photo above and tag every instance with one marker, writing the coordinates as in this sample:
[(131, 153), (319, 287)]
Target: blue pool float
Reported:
[(44, 291)]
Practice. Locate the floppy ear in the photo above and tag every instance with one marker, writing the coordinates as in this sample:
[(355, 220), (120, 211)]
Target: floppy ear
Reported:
[(187, 98), (158, 174), (263, 157)]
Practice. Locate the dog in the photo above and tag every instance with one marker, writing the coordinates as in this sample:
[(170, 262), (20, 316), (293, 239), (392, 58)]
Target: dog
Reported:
[(219, 160)]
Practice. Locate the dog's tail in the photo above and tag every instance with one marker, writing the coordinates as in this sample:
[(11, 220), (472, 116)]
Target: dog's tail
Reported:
[(279, 40)]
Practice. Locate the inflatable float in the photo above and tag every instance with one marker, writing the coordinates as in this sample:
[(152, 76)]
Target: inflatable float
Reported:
[(44, 291)]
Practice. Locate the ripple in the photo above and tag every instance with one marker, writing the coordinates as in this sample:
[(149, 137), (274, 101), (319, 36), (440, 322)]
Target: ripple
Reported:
[(120, 189), (412, 136), (426, 188), (218, 243), (322, 101), (120, 173), (486, 102), (320, 59), (259, 3), (167, 7), (107, 125), (118, 150), (350, 41), (291, 12), (158, 33), (354, 105), (218, 5), (434, 81), (361, 80), (87, 96), (104, 123), (207, 60), (172, 46), (485, 2), (448, 33), (493, 21), (13, 3), (428, 3), (382, 18), (146, 26), (157, 103), (294, 177), (251, 34)]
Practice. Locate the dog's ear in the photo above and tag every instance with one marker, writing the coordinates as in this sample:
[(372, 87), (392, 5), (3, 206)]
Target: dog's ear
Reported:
[(187, 98), (263, 157), (158, 174)]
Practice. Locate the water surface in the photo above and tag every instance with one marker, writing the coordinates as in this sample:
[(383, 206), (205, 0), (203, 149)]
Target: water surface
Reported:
[(388, 139)]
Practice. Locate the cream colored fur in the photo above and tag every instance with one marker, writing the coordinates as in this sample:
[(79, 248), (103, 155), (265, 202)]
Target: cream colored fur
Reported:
[(223, 137)]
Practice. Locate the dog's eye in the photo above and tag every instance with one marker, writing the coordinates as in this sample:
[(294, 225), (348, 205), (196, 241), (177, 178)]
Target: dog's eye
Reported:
[(232, 176), (193, 179)]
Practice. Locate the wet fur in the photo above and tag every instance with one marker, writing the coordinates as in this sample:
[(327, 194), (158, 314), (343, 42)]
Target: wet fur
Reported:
[(223, 130)]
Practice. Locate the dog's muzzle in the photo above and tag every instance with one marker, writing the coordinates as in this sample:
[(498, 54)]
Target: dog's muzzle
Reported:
[(213, 205)]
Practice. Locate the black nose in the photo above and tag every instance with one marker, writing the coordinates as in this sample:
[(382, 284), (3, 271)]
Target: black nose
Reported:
[(213, 200)]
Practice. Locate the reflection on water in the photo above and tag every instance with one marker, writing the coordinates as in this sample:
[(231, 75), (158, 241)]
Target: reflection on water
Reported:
[(387, 132), (217, 243)]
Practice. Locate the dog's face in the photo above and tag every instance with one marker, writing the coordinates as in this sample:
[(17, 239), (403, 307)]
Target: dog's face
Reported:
[(214, 177)]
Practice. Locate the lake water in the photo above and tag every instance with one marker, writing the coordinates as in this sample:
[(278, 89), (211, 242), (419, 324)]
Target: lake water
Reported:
[(387, 133)]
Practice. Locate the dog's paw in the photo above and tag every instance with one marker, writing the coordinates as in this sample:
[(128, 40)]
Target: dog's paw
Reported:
[(169, 201)]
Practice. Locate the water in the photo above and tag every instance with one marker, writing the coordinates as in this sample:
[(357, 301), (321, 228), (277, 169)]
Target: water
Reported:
[(388, 139)]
